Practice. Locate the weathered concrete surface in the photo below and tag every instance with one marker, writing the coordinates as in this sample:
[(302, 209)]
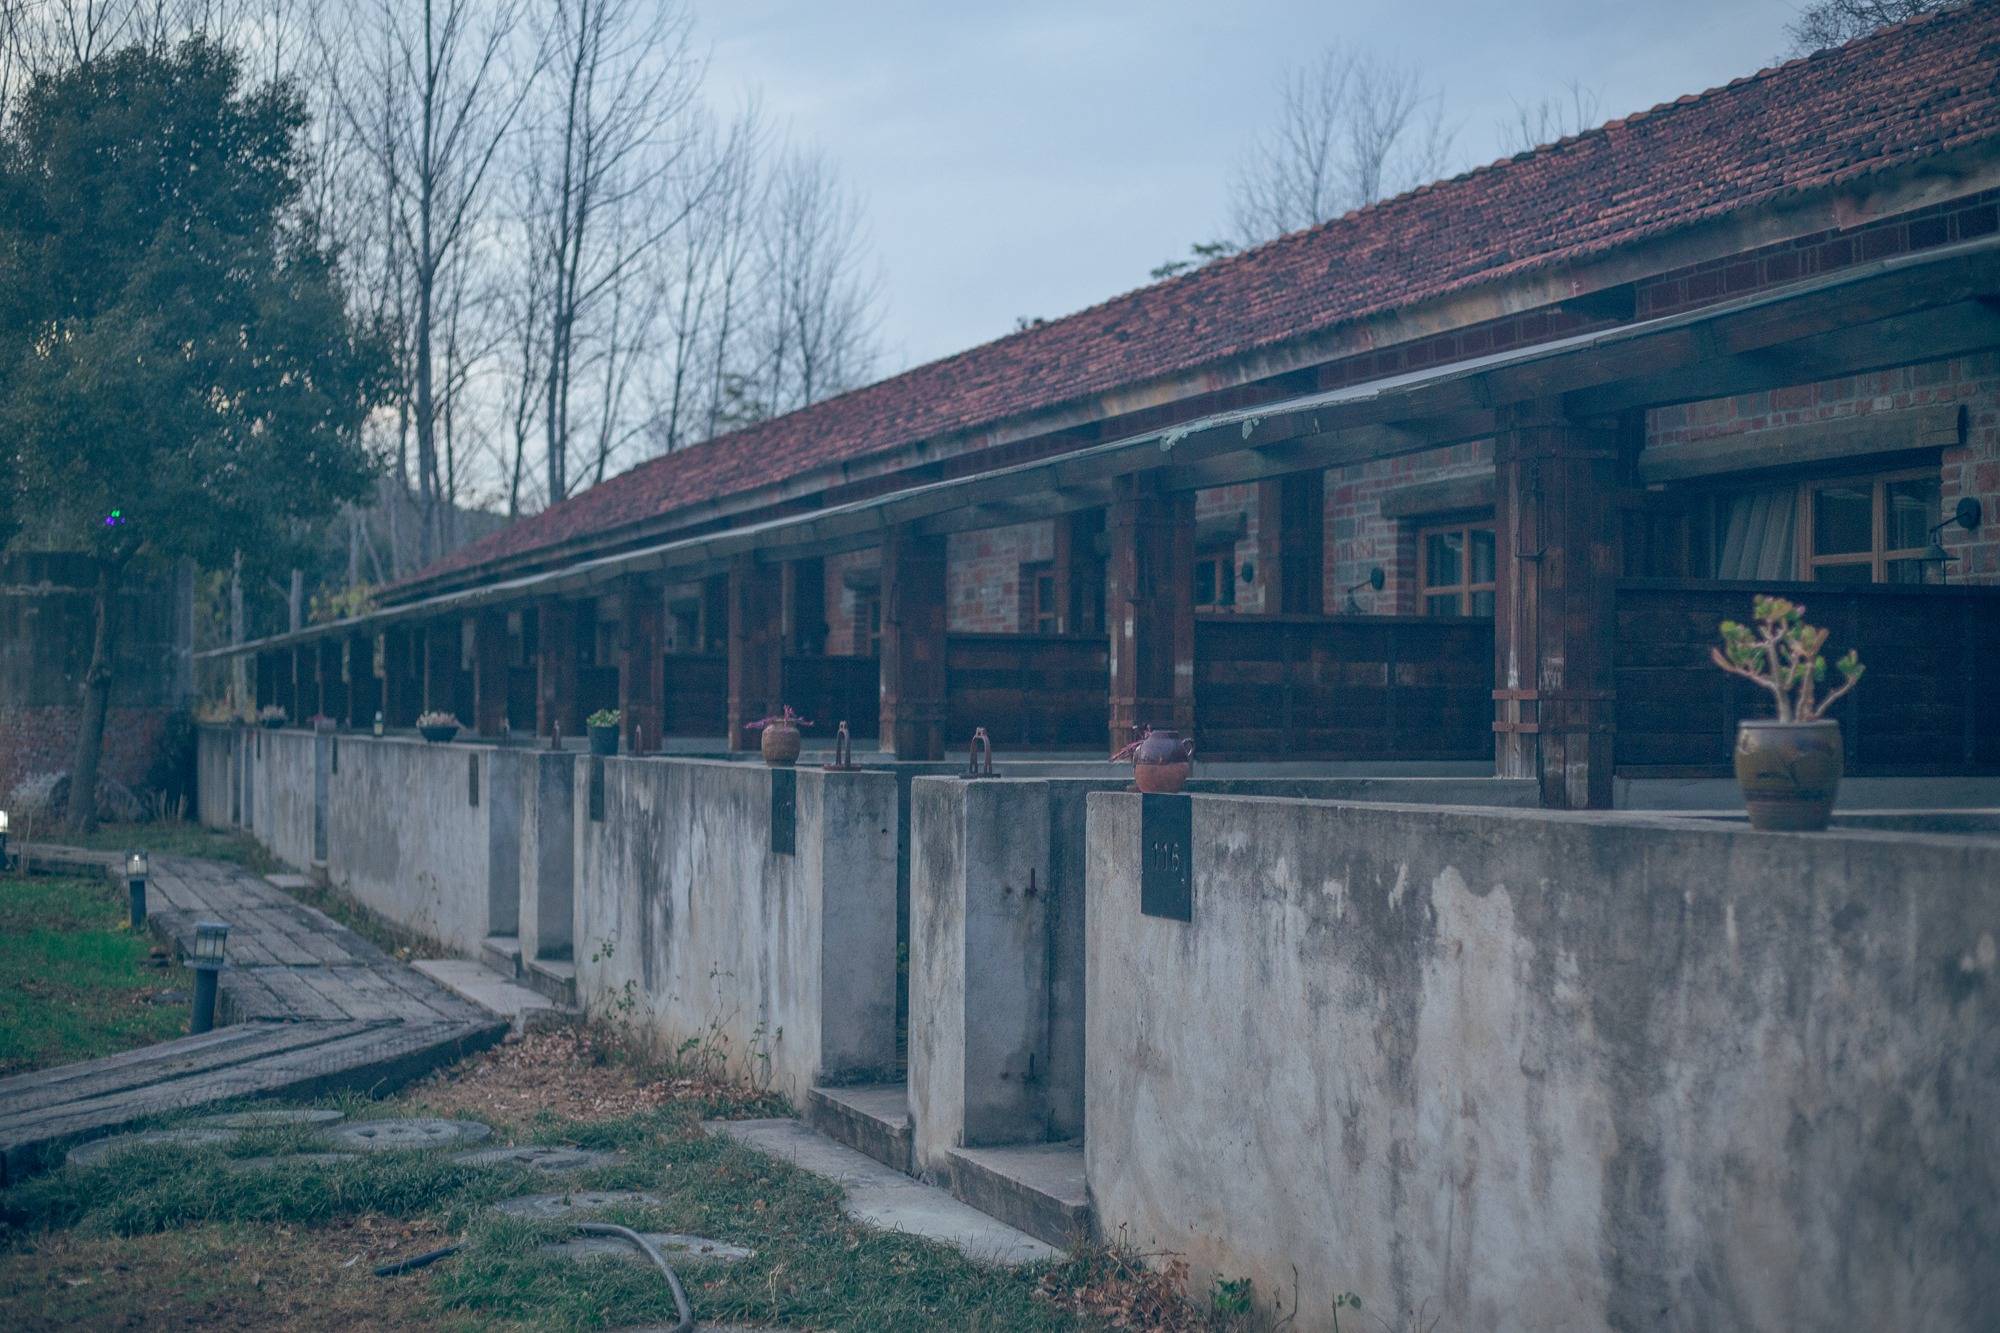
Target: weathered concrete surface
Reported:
[(1554, 1071), (886, 1198), (547, 876), (694, 929)]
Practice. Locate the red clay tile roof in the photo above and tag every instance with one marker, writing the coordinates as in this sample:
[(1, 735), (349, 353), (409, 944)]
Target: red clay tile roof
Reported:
[(1923, 87)]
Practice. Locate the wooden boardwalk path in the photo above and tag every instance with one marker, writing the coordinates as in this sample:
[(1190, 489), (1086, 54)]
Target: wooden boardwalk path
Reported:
[(306, 1006)]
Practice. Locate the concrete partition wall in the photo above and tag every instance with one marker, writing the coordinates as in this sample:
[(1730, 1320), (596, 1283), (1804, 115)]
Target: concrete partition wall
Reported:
[(546, 872), (408, 834), (696, 924), (217, 790), (282, 781), (1535, 1070)]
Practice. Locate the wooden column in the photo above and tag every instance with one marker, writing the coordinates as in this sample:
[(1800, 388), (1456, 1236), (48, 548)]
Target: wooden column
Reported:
[(441, 654), (332, 681), (1291, 543), (642, 666), (756, 647), (364, 689), (913, 645), (489, 672), (402, 684), (1079, 571), (267, 680), (303, 703), (555, 668), (1554, 602), (1151, 608)]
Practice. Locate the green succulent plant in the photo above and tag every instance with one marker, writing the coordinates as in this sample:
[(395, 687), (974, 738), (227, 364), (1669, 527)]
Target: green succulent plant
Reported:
[(1782, 654)]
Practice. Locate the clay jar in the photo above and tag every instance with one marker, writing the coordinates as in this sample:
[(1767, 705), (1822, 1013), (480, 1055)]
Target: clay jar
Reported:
[(781, 744), (1161, 762), (1789, 772)]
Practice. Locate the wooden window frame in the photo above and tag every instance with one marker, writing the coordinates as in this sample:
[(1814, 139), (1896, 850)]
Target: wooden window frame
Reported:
[(1037, 618), (1877, 558), (867, 633), (1224, 559), (1465, 587)]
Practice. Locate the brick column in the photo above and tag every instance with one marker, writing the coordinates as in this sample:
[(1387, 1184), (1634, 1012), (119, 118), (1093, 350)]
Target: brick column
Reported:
[(642, 666), (1151, 608), (489, 672), (555, 668), (913, 645), (1556, 549), (1291, 538), (756, 647)]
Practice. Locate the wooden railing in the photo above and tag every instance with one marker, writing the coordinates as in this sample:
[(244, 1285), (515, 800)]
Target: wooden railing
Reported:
[(832, 690), (697, 694), (1930, 702), (1344, 687), (1028, 689)]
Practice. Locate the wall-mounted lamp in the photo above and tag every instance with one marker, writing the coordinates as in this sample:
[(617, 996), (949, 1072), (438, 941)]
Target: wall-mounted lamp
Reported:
[(210, 940), (135, 880), (1248, 573), (1966, 514), (1376, 578)]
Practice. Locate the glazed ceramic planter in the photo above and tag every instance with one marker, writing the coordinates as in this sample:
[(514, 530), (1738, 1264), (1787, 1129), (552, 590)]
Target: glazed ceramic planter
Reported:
[(1161, 763), (781, 744), (437, 735), (604, 740), (1789, 772)]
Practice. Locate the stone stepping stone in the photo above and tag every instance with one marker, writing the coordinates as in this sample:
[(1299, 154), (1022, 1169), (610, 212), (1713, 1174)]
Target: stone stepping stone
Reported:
[(677, 1249), (555, 1207), (294, 1115), (538, 1158), (406, 1135), (246, 1165), (101, 1150)]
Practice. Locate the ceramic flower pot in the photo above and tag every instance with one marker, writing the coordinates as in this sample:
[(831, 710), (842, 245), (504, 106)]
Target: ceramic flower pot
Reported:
[(604, 740), (271, 723), (1789, 772), (437, 735), (781, 744), (1161, 763)]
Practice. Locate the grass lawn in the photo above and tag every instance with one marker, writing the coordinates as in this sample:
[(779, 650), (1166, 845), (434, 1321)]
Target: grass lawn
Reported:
[(74, 983), (158, 1239), (164, 837)]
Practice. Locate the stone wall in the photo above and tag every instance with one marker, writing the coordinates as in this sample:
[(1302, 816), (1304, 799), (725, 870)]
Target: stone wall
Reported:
[(1538, 1070)]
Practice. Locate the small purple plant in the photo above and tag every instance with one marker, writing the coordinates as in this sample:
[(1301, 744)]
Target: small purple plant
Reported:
[(788, 718)]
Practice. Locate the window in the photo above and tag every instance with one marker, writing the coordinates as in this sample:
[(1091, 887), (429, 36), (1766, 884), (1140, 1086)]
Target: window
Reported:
[(1215, 579), (868, 624), (1038, 598), (1455, 570), (1870, 529)]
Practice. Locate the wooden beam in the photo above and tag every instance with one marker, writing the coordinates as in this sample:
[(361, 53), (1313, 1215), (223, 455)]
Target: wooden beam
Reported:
[(1939, 426), (1150, 604), (913, 645), (756, 648)]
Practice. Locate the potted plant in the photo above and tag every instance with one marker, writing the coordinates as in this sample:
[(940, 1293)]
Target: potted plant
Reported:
[(603, 726), (437, 727), (272, 716), (321, 722), (1161, 761), (1789, 766), (781, 737)]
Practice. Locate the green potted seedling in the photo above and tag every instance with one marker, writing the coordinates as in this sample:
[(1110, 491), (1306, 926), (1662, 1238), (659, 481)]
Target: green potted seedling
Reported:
[(1789, 766), (603, 725)]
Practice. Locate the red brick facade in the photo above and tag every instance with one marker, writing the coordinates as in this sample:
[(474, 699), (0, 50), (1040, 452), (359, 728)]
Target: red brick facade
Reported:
[(43, 740)]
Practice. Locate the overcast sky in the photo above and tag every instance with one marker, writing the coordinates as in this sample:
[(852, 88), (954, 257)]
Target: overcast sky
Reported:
[(1036, 156)]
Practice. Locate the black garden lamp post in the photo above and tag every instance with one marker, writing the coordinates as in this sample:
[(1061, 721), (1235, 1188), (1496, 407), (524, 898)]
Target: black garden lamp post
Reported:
[(3, 839), (210, 938), (135, 879)]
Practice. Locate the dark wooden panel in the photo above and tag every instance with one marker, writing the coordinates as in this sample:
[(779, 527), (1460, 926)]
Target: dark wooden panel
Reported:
[(1027, 689), (1927, 705), (1341, 687), (832, 690), (697, 694)]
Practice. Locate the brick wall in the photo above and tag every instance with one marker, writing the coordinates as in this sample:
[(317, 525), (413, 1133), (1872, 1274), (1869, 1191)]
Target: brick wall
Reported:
[(1227, 502), (843, 636), (1359, 537), (983, 575), (42, 739)]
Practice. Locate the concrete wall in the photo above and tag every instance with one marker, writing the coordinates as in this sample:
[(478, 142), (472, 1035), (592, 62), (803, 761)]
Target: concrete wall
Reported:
[(1537, 1070), (693, 928), (998, 941)]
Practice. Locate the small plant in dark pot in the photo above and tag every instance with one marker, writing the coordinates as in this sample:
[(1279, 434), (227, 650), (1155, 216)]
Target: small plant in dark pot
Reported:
[(271, 716), (1161, 761), (781, 737), (1789, 766), (437, 727), (603, 726)]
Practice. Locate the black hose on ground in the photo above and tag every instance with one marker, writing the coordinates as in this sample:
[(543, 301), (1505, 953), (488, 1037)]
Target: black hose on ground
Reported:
[(646, 1247)]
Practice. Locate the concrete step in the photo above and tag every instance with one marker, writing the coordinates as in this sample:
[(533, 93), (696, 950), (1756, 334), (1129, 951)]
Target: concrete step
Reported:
[(872, 1118), (883, 1197), (553, 977), (502, 953), (1036, 1187), (525, 1010)]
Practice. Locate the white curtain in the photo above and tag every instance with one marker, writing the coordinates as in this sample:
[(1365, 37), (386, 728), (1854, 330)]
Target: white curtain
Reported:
[(1758, 535)]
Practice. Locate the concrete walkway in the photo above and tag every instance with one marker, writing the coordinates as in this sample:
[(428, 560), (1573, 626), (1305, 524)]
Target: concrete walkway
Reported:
[(307, 1007)]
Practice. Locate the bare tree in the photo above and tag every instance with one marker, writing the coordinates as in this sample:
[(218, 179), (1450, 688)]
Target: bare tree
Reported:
[(1827, 23), (1349, 131), (816, 336), (1547, 119)]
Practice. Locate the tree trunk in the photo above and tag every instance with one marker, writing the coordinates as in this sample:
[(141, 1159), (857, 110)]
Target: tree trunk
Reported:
[(82, 816)]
